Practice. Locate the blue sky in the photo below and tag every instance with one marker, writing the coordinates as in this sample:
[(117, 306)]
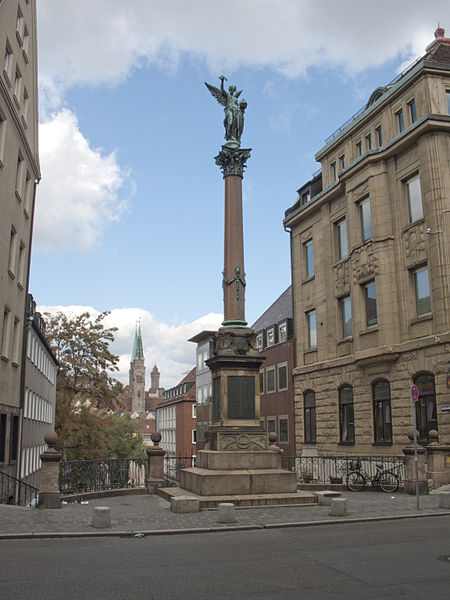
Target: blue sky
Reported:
[(129, 214)]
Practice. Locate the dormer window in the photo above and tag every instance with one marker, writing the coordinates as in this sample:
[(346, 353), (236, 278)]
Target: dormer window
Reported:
[(259, 341), (282, 332), (270, 336)]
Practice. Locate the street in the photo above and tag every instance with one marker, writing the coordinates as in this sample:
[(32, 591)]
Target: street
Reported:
[(392, 559)]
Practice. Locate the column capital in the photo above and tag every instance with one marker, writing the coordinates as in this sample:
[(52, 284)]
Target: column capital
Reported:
[(232, 160)]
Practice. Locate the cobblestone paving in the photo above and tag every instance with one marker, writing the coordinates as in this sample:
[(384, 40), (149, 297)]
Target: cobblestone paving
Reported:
[(149, 513)]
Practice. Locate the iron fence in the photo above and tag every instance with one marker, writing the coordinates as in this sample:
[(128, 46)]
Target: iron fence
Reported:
[(15, 491), (174, 464), (334, 469), (76, 476)]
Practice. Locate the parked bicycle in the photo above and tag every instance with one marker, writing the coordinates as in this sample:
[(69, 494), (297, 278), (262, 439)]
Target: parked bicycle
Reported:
[(385, 479)]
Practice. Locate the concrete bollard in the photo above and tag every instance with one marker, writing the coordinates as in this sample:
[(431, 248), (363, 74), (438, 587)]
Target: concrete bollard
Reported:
[(225, 513), (444, 500), (338, 507), (102, 517)]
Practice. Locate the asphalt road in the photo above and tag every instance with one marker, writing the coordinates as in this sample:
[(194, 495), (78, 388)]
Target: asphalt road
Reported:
[(394, 559)]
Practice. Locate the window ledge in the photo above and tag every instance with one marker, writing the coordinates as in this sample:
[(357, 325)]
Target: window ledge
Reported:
[(6, 77), (369, 330), (345, 340), (16, 100), (413, 224), (427, 317), (310, 350), (346, 443), (20, 285), (4, 358), (11, 274), (382, 444), (308, 279), (15, 364), (18, 196)]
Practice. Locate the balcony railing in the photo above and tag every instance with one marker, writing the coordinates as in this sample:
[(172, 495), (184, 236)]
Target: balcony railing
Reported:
[(15, 491)]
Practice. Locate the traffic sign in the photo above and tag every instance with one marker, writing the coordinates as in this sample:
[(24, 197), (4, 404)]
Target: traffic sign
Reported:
[(415, 392)]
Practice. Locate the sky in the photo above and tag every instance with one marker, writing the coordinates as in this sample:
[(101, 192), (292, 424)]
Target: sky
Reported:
[(129, 211)]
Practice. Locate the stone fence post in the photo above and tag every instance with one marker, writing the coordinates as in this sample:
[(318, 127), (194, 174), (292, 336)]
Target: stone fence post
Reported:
[(438, 462), (49, 481), (155, 465)]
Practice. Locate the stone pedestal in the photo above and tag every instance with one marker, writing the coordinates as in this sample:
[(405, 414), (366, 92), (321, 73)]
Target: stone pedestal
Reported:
[(438, 464), (155, 465), (410, 477), (49, 481)]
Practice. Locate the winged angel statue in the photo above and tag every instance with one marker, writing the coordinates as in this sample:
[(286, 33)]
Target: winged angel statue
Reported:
[(234, 112)]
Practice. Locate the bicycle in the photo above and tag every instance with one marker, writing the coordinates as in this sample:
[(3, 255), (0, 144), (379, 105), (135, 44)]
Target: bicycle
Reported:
[(385, 479)]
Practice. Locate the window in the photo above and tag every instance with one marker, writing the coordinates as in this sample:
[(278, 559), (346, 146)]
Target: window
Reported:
[(16, 342), (7, 63), (346, 316), (370, 300), (382, 412), (342, 162), (2, 137), (27, 205), (270, 380), (312, 331), (19, 177), (194, 411), (359, 148), (282, 377), (194, 436), (426, 413), (13, 438), (333, 171), (270, 337), (284, 430), (369, 141), (282, 332), (25, 105), (19, 26), (261, 382), (259, 341), (2, 437), (17, 85), (309, 411), (21, 265), (379, 134), (12, 252), (271, 425), (306, 197), (400, 121), (366, 219), (346, 415), (422, 290), (414, 198), (309, 259), (412, 111), (342, 238)]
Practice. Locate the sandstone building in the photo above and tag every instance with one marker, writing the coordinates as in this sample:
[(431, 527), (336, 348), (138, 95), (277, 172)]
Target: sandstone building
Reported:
[(19, 174), (371, 276)]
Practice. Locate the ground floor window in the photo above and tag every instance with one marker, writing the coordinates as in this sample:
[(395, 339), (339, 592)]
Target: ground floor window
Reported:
[(381, 394), (346, 415), (426, 413)]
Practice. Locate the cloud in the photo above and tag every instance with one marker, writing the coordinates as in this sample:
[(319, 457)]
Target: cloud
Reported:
[(96, 43), (166, 345), (80, 191)]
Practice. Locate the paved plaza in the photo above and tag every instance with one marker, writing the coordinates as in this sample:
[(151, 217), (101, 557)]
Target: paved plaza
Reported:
[(151, 515)]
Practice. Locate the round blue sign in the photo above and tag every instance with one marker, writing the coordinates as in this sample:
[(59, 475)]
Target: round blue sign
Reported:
[(415, 392)]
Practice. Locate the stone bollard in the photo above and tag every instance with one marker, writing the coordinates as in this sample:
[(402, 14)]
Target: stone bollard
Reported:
[(155, 468), (49, 480), (102, 517), (338, 507), (444, 500), (225, 513)]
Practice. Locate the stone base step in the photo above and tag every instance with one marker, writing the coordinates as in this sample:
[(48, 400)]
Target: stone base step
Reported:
[(243, 501)]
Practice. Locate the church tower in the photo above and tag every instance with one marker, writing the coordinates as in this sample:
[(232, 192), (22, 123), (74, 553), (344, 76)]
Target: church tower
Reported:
[(137, 374)]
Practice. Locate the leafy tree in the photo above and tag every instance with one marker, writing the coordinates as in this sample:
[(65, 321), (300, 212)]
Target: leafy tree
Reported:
[(81, 345)]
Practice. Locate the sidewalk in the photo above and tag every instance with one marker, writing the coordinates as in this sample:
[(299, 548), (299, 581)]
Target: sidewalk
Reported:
[(151, 515)]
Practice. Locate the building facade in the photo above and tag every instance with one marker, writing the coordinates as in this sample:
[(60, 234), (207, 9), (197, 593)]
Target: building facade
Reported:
[(176, 418), (204, 341), (274, 337), (19, 174), (370, 268), (40, 396)]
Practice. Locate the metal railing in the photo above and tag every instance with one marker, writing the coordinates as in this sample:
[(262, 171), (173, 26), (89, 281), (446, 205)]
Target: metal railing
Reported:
[(173, 465), (15, 491), (334, 469), (77, 476)]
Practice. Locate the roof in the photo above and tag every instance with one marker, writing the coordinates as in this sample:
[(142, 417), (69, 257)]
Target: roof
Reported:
[(280, 309), (138, 350), (203, 335)]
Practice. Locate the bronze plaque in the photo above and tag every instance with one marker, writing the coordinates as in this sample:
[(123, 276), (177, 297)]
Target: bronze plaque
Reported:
[(241, 397), (217, 404)]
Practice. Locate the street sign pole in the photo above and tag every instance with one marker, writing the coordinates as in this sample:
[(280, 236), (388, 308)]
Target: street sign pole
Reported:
[(415, 397)]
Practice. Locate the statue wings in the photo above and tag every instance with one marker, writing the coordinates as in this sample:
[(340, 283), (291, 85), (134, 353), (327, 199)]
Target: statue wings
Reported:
[(220, 96)]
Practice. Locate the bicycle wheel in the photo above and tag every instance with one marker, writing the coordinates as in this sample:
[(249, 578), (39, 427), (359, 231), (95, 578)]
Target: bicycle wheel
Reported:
[(355, 481), (388, 482)]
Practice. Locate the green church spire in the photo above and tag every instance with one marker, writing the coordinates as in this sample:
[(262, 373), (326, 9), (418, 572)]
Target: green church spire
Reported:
[(138, 350)]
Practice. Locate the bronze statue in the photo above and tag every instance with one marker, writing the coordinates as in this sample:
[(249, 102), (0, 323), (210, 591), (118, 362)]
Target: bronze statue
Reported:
[(234, 112)]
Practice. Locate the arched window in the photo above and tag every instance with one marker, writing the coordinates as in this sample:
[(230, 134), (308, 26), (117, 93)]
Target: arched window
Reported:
[(346, 415), (309, 401), (426, 413), (381, 394)]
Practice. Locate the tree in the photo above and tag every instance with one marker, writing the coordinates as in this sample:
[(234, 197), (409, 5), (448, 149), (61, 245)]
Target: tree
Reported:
[(81, 345)]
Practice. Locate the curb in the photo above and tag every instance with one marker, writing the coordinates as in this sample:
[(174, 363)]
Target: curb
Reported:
[(154, 532)]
